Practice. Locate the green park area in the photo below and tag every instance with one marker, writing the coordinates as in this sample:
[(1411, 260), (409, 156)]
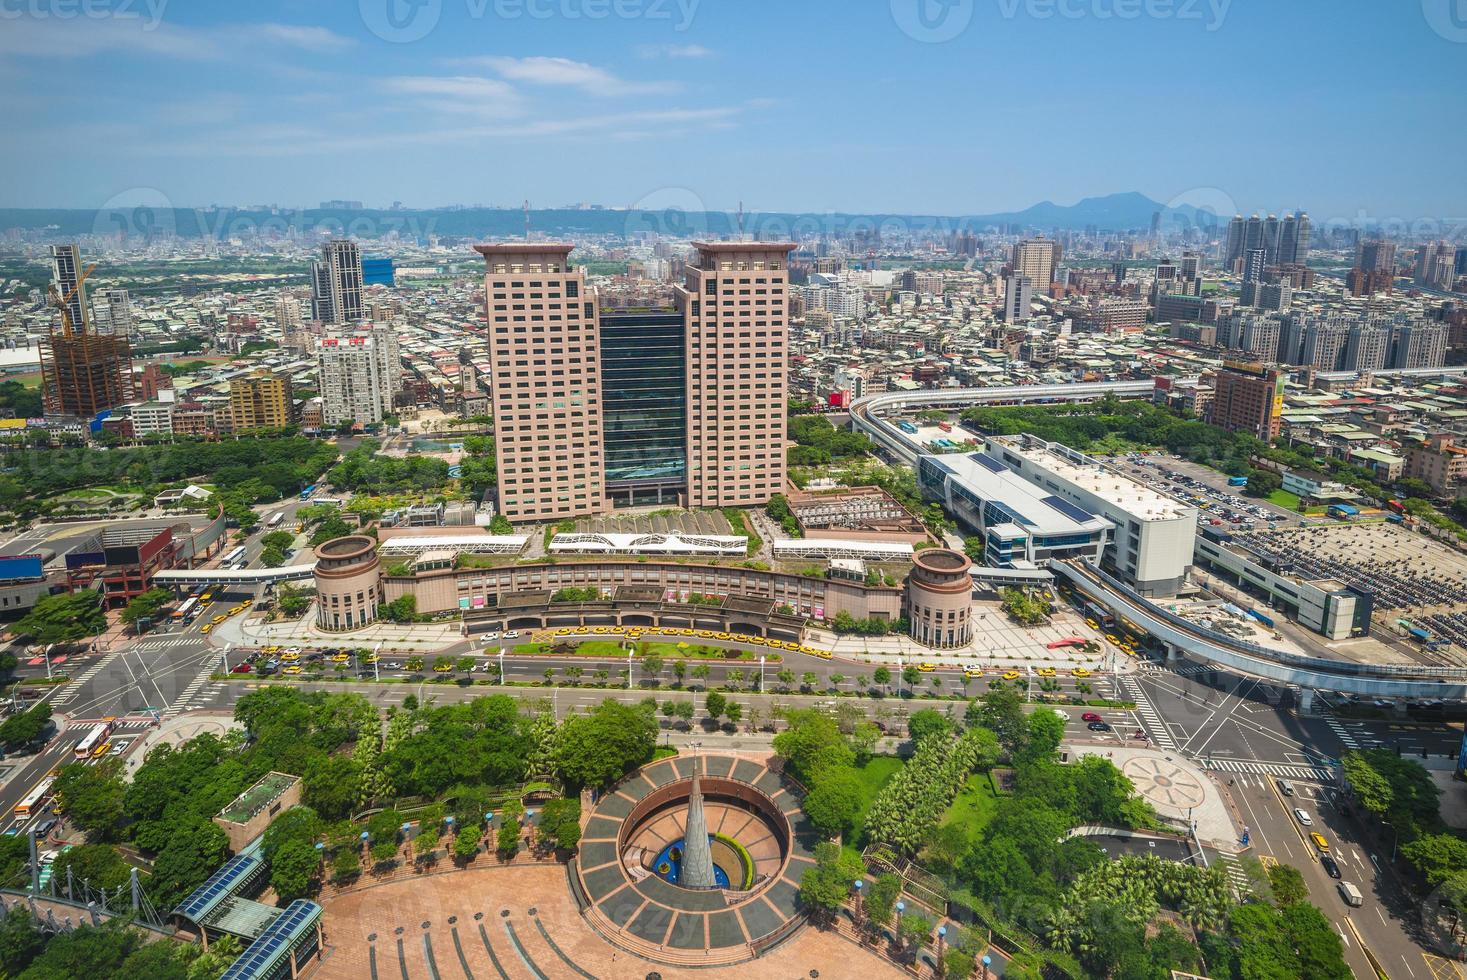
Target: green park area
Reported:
[(1284, 499)]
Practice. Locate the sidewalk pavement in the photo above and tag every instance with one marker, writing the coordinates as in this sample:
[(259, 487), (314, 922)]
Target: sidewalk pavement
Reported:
[(419, 638), (888, 649)]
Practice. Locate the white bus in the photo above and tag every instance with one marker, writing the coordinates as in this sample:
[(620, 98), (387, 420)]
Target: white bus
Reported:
[(185, 612), (275, 519), (235, 557), (33, 800), (95, 737)]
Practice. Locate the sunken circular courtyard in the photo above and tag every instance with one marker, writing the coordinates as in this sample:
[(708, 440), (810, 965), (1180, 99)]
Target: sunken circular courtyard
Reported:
[(647, 884)]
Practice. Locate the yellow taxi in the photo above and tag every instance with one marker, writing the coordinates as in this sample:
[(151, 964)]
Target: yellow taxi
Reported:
[(791, 645), (290, 656), (563, 631), (616, 629), (758, 641), (442, 668), (272, 648), (687, 632), (1045, 672), (206, 627), (972, 674), (724, 636), (1320, 842), (101, 750), (926, 667), (1113, 638), (705, 634), (370, 658), (1080, 672), (634, 634), (1011, 675), (217, 620), (340, 658), (601, 629), (290, 669)]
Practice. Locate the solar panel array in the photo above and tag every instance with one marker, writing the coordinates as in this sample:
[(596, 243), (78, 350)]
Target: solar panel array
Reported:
[(262, 954), (988, 462), (219, 884), (1068, 509)]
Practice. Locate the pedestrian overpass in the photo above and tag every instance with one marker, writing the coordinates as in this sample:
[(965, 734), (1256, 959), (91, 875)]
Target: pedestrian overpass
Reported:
[(1309, 674), (248, 577)]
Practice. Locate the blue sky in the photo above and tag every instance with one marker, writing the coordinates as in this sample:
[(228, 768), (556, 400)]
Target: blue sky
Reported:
[(1343, 107)]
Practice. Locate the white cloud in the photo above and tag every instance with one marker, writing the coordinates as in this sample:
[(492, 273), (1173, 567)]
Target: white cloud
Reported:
[(84, 37), (310, 38), (564, 72), (674, 51), (458, 93)]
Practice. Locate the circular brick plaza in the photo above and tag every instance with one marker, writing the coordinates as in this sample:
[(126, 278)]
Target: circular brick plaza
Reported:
[(762, 845)]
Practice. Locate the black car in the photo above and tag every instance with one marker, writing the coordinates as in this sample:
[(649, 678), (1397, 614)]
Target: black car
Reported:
[(1331, 868), (1098, 726)]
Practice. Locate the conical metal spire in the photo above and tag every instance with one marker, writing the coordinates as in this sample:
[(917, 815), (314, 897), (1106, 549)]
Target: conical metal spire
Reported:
[(697, 869)]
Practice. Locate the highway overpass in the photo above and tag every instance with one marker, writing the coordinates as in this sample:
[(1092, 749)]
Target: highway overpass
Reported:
[(1309, 674), (866, 413)]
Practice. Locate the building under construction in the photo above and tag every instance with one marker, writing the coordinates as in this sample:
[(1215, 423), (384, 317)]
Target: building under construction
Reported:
[(83, 372)]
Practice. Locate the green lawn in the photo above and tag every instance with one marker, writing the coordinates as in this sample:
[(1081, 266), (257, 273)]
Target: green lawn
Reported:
[(873, 775), (1285, 499), (973, 806)]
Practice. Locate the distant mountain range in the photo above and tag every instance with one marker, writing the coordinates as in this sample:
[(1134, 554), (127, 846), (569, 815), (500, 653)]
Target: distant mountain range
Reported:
[(1113, 212)]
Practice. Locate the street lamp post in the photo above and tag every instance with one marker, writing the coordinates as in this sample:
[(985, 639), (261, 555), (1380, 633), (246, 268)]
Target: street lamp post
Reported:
[(377, 662), (224, 656), (629, 668), (501, 666), (761, 678)]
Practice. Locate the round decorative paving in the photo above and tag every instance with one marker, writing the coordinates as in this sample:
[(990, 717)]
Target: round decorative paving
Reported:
[(743, 800), (1163, 783)]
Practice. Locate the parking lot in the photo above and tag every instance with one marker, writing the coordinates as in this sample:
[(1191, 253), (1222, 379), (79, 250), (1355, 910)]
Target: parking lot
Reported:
[(1202, 487)]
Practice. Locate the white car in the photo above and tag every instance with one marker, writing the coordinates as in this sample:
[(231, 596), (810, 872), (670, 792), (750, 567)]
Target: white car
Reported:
[(489, 637), (1303, 817), (294, 650), (120, 746), (511, 634)]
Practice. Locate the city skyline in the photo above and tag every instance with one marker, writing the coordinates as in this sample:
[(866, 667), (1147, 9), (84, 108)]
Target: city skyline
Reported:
[(298, 105)]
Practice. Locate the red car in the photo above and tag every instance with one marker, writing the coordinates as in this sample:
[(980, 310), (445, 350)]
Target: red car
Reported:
[(1089, 716), (240, 669)]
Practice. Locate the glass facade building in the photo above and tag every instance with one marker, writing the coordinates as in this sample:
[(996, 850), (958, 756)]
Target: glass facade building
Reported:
[(644, 405)]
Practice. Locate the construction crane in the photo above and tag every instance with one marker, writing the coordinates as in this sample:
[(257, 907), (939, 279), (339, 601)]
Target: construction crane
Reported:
[(63, 303)]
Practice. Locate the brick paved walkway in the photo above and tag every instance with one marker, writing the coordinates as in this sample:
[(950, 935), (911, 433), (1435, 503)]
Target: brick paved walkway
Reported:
[(450, 926)]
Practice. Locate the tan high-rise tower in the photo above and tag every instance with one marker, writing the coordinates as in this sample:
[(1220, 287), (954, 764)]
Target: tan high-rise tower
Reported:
[(544, 348), (735, 306)]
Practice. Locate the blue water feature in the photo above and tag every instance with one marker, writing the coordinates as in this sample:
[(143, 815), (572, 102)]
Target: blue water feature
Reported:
[(675, 864)]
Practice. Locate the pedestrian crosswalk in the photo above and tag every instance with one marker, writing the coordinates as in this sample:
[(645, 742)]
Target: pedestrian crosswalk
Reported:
[(1283, 770), (1192, 670), (154, 646), (74, 689), (1237, 877), (1150, 719), (183, 702), (1341, 732)]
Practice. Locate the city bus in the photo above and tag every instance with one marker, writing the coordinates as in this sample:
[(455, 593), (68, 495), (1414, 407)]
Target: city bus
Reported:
[(185, 612), (275, 519), (235, 557), (34, 800), (95, 737), (306, 493)]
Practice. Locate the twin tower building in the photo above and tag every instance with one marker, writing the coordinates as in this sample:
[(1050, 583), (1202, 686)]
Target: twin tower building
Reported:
[(682, 404)]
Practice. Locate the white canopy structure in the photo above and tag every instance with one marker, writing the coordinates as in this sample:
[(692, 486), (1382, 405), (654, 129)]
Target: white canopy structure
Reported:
[(606, 543)]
